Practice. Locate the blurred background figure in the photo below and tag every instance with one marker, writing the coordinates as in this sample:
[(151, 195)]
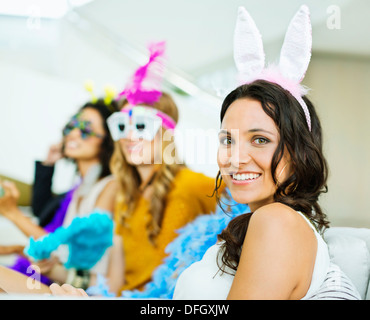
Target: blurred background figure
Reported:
[(86, 142), (158, 194), (155, 199)]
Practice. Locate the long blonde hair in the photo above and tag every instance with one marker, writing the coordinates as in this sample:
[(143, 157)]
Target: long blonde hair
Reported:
[(129, 179)]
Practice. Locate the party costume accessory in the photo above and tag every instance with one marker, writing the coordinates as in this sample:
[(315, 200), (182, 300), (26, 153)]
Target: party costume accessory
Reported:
[(110, 94), (145, 85), (295, 55), (145, 123), (83, 126), (89, 86), (109, 90), (87, 239), (142, 91)]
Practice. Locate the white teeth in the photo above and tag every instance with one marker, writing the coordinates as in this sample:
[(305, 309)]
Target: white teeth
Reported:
[(136, 147), (72, 144), (245, 176)]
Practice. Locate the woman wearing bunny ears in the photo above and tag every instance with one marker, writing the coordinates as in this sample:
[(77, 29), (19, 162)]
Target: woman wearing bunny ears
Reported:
[(270, 157)]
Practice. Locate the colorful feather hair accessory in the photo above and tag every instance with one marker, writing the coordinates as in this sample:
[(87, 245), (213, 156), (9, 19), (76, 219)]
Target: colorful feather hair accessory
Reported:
[(145, 85)]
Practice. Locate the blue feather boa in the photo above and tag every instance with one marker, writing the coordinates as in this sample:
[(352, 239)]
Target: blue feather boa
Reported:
[(193, 241), (87, 238)]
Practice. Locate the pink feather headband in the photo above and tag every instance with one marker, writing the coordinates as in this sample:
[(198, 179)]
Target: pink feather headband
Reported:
[(144, 88), (145, 85), (295, 55)]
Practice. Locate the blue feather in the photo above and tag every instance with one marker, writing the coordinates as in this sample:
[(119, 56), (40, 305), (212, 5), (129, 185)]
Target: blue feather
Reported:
[(191, 244), (87, 238)]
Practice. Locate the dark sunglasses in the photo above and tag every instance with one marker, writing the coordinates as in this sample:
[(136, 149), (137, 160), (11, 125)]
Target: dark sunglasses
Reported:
[(83, 126)]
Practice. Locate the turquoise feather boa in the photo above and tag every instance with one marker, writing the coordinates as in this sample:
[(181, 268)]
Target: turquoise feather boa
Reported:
[(87, 239), (193, 241)]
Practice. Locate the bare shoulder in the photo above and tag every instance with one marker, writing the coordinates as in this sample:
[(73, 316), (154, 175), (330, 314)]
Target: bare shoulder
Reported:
[(107, 197), (112, 185), (278, 215), (277, 256), (280, 221)]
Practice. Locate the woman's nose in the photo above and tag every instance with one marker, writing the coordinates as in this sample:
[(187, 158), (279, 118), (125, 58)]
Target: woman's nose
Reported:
[(75, 132), (130, 134), (240, 155)]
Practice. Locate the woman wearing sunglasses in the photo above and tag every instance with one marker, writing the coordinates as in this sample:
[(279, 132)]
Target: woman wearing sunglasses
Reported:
[(86, 142)]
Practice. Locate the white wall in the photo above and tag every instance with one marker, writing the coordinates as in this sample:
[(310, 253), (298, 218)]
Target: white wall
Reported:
[(340, 91), (33, 112), (42, 75)]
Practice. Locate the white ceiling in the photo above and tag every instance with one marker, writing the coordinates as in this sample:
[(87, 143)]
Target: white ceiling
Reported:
[(199, 32)]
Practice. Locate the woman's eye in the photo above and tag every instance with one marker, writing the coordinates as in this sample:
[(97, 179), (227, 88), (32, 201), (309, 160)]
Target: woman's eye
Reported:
[(261, 141), (226, 141)]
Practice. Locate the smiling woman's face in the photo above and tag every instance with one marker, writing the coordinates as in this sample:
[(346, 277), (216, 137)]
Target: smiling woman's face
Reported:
[(248, 140), (78, 146)]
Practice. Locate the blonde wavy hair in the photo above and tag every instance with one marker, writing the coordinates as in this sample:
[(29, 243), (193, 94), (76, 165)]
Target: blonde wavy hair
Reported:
[(129, 179)]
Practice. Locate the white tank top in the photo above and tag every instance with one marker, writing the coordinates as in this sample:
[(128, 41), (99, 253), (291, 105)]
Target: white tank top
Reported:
[(204, 280)]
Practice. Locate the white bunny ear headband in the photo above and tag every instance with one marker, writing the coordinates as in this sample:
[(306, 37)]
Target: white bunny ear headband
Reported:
[(295, 54)]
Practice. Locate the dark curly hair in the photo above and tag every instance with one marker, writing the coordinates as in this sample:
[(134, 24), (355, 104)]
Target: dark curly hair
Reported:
[(308, 178)]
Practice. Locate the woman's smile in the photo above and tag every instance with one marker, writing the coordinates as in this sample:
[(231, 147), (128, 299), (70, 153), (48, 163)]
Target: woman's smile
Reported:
[(241, 178), (71, 144), (134, 147)]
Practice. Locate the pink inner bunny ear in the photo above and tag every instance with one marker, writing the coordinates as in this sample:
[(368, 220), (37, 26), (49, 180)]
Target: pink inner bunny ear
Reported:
[(249, 55), (296, 50)]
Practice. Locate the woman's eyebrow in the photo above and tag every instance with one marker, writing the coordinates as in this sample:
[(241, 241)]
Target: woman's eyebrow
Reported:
[(224, 131), (259, 130)]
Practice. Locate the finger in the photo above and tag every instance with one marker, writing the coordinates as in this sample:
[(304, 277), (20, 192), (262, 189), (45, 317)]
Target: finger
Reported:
[(56, 147), (82, 292), (44, 265), (6, 191), (57, 290), (14, 190), (71, 290), (11, 189), (2, 191)]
